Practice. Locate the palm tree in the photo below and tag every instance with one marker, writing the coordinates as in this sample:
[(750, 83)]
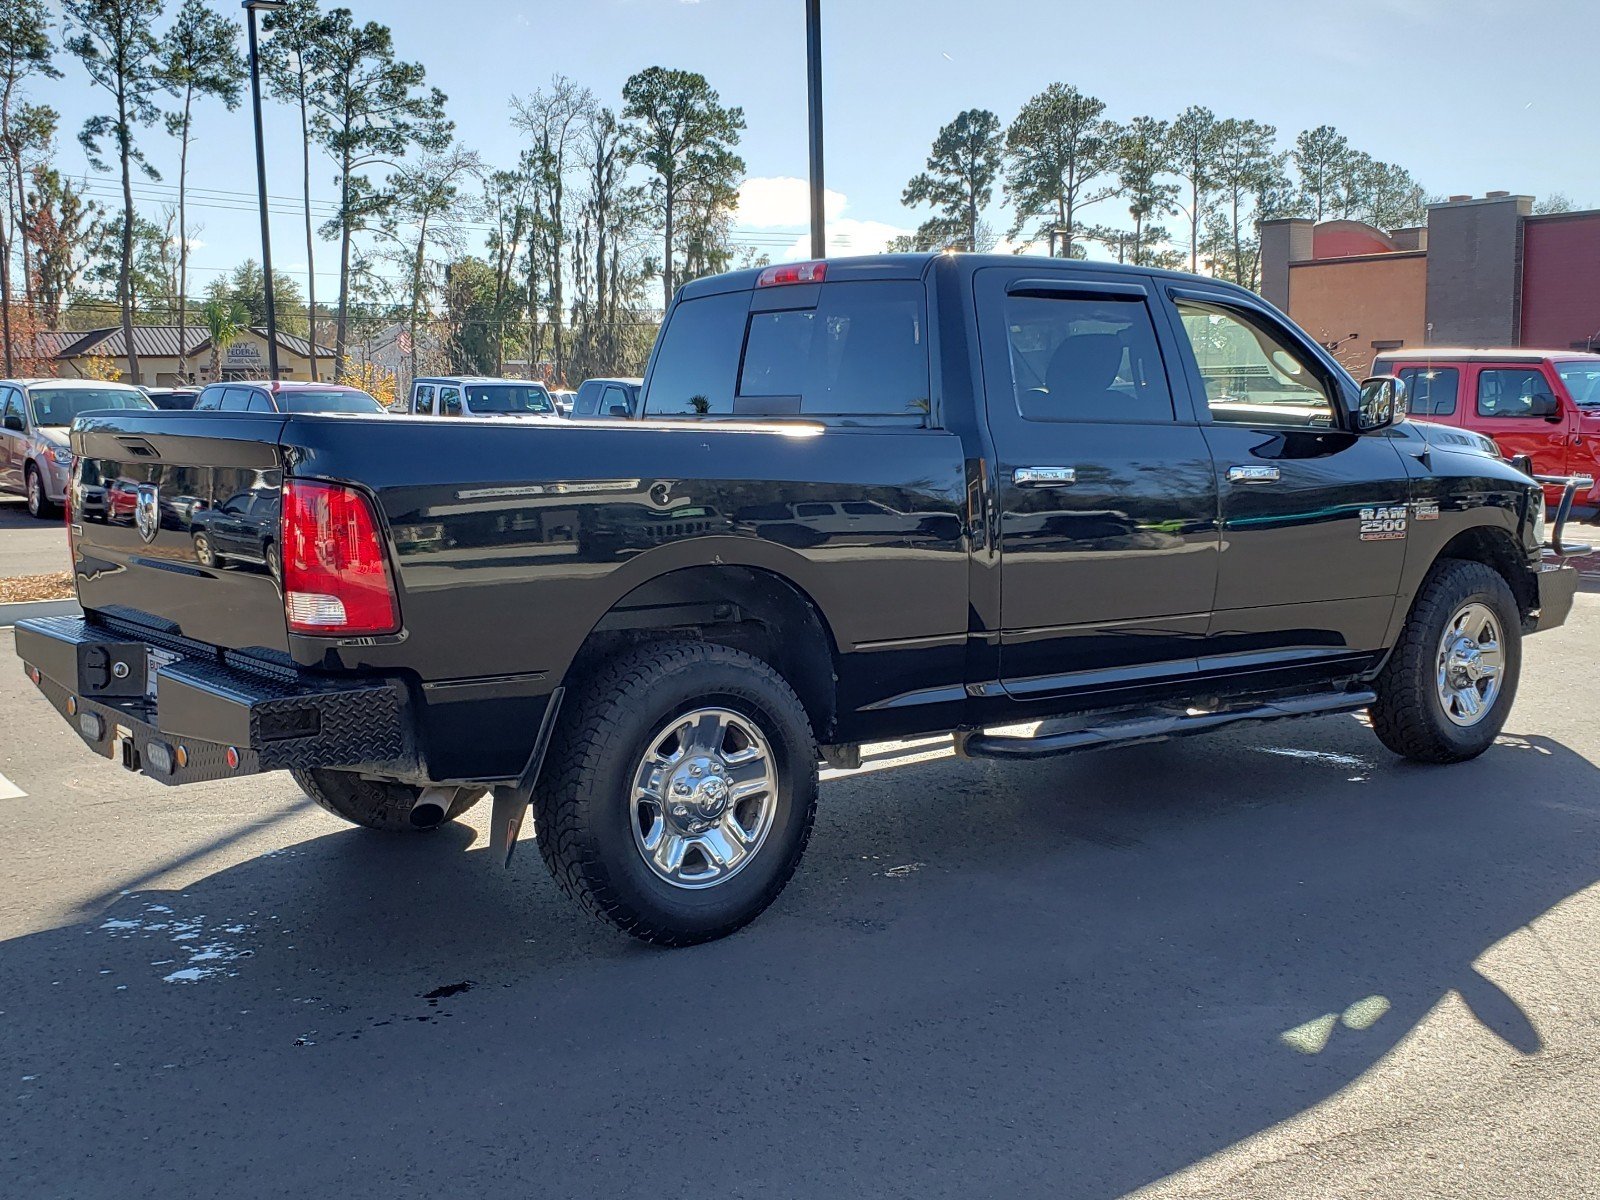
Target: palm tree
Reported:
[(224, 321)]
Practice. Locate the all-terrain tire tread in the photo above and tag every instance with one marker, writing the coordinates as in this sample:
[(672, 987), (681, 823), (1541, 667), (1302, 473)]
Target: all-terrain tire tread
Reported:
[(587, 735), (1405, 686)]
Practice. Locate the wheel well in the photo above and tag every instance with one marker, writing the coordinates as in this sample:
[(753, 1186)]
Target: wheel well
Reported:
[(749, 609), (1498, 550)]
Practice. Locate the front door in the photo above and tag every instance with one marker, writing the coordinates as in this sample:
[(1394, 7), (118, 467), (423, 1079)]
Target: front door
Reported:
[(1314, 515), (13, 427), (1516, 404), (1107, 499)]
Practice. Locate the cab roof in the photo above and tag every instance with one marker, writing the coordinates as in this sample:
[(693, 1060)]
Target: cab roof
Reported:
[(916, 265), (1482, 354)]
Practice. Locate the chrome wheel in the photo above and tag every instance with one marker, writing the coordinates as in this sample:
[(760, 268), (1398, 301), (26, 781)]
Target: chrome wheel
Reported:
[(35, 494), (704, 796), (1471, 664)]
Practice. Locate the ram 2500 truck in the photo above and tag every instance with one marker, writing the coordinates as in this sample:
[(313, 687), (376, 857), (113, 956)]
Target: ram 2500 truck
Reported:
[(863, 499)]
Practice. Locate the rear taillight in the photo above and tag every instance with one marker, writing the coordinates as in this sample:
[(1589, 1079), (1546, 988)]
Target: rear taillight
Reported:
[(335, 574)]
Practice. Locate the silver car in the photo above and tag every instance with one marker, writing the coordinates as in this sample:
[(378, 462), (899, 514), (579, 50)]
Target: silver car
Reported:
[(35, 415)]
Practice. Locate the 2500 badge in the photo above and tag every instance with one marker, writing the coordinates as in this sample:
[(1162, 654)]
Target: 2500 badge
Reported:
[(1383, 524)]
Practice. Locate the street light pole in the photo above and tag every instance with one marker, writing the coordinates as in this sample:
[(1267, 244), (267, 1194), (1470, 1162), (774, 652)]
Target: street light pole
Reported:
[(819, 234), (252, 7)]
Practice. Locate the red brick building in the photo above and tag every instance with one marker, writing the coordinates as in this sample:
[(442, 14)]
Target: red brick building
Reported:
[(1482, 272)]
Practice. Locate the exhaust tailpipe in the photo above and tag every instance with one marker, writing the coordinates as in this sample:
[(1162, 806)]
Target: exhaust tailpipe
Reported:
[(432, 806)]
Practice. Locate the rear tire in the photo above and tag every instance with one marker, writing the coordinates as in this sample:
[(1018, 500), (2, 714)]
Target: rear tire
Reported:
[(1425, 709), (672, 707), (370, 803)]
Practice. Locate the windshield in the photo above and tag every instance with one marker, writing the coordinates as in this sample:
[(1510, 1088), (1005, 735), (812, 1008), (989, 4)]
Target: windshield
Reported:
[(508, 398), (61, 406), (1582, 378), (327, 402)]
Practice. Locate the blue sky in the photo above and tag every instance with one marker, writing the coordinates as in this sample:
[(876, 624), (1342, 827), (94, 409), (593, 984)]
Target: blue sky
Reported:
[(1470, 95)]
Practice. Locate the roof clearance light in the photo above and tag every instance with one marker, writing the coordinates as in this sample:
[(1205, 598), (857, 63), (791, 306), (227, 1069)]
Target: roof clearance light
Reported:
[(808, 272)]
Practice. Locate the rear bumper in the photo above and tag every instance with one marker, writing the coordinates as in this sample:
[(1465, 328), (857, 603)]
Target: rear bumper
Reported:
[(186, 719), (1557, 585)]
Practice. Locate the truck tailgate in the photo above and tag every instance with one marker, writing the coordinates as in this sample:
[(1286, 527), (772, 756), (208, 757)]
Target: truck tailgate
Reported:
[(175, 524)]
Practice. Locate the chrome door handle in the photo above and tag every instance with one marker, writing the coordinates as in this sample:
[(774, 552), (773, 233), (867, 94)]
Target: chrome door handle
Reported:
[(1044, 477), (1256, 474)]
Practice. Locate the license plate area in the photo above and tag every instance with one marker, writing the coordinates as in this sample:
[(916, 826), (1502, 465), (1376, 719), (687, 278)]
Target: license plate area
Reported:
[(157, 659)]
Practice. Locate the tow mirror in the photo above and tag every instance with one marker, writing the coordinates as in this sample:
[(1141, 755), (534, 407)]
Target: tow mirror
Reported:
[(1383, 399), (1544, 405)]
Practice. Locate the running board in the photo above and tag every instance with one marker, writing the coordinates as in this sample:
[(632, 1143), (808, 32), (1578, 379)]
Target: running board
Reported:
[(1153, 727)]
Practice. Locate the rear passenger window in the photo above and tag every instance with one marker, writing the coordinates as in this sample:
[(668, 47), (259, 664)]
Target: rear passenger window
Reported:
[(1511, 391), (698, 359), (862, 351), (1085, 359), (422, 402), (1431, 391), (259, 403)]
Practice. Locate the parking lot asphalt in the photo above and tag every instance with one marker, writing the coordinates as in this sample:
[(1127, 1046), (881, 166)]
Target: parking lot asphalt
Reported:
[(1273, 962), (29, 546)]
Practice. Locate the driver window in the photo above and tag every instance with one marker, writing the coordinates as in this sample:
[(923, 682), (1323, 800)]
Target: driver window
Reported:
[(1511, 392), (450, 402), (1250, 375), (10, 409)]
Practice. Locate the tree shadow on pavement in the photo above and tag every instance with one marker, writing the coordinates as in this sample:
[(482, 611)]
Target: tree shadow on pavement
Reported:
[(1062, 978)]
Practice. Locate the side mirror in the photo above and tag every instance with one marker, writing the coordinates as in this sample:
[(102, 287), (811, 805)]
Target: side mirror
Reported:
[(1544, 405), (14, 423), (619, 410), (452, 408), (1383, 400)]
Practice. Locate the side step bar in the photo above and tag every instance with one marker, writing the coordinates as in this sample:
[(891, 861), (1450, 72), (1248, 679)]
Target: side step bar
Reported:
[(1154, 727)]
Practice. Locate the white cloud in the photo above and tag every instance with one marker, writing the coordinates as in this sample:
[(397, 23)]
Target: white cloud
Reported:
[(781, 202)]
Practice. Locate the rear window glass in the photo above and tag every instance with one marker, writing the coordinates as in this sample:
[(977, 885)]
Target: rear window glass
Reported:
[(508, 398), (327, 402), (1431, 391), (697, 360), (862, 351)]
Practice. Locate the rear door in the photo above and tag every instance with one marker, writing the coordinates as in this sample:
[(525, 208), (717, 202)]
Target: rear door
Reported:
[(1107, 498), (178, 472), (1510, 403), (422, 399), (1314, 516)]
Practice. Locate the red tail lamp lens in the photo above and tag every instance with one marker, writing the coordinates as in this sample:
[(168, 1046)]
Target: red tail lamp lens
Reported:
[(336, 577)]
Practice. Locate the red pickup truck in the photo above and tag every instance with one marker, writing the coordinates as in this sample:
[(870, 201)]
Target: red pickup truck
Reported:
[(1542, 403)]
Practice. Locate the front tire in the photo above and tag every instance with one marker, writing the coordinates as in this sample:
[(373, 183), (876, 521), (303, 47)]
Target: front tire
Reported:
[(1449, 684), (679, 791), (373, 803), (39, 505)]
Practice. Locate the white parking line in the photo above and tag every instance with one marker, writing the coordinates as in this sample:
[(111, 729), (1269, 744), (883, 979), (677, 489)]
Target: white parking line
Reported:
[(10, 791)]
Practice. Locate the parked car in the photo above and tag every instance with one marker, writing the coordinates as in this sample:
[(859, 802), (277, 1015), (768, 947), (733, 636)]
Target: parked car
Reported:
[(480, 396), (1541, 403), (605, 398), (172, 398), (563, 398), (35, 415), (285, 396), (1046, 512)]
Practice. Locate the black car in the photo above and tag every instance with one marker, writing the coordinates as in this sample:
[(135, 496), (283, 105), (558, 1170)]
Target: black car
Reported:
[(855, 500)]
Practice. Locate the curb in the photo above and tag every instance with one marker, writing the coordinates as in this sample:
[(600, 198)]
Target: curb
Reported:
[(10, 614)]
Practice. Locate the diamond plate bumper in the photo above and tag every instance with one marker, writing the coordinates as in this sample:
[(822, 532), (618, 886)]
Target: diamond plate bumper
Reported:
[(185, 719)]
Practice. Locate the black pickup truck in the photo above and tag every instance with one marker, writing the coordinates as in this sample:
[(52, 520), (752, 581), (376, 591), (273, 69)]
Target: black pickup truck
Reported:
[(863, 499)]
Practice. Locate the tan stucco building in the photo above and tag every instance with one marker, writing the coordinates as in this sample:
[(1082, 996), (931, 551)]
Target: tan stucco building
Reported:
[(160, 366)]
